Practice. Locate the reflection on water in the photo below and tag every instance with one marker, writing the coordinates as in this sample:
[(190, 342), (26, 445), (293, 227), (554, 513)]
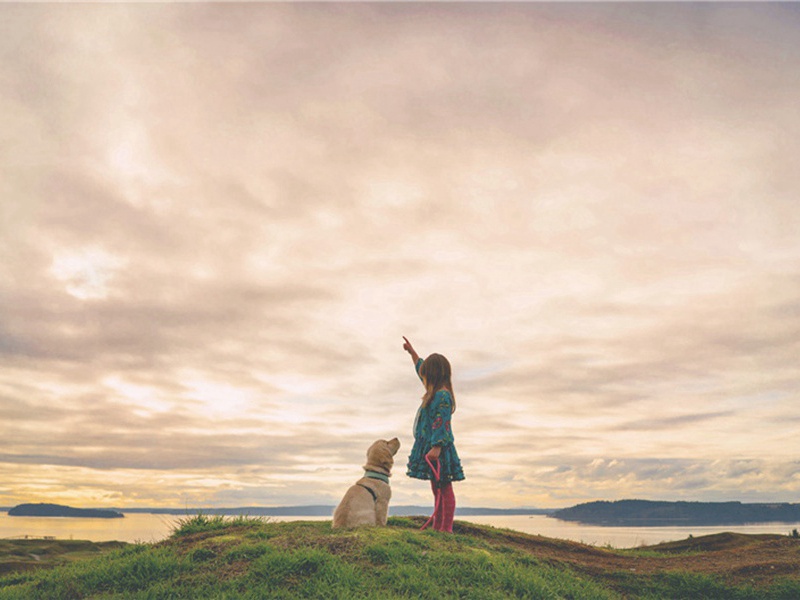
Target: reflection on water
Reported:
[(133, 528), (138, 527)]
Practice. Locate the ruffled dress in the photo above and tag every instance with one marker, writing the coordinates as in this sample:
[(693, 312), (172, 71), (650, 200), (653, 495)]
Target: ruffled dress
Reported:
[(433, 427)]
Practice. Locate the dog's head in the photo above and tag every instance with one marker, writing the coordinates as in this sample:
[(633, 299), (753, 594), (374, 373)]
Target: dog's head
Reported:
[(380, 455)]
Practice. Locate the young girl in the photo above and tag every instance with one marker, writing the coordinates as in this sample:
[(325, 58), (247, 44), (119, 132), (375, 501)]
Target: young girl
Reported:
[(433, 434)]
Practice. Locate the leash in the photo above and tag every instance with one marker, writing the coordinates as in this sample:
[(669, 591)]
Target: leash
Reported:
[(437, 494)]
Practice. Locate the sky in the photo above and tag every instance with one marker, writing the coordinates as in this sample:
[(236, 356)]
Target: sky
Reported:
[(218, 221)]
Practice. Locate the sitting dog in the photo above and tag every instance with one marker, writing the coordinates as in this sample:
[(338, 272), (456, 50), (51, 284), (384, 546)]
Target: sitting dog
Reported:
[(367, 502)]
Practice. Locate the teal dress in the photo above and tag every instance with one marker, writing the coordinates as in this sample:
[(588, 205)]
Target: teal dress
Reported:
[(433, 427)]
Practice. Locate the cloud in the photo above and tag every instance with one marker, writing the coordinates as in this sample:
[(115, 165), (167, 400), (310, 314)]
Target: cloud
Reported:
[(217, 222), (671, 422)]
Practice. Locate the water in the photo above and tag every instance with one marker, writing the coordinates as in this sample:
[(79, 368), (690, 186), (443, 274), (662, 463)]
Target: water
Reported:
[(137, 527), (620, 537)]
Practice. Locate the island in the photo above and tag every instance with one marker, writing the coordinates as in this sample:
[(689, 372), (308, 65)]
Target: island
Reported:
[(632, 513), (57, 510)]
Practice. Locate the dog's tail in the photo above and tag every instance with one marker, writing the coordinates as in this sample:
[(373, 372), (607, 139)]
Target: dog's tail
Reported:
[(437, 493)]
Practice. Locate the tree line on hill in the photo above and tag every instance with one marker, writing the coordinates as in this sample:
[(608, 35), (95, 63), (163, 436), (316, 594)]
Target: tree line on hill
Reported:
[(653, 513)]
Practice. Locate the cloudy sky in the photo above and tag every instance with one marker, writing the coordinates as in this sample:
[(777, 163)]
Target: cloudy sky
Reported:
[(217, 221)]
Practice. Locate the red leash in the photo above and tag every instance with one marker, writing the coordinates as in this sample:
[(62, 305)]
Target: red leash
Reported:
[(437, 494)]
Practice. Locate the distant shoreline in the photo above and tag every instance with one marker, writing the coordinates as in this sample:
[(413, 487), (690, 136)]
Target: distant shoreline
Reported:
[(322, 510), (636, 513), (327, 510), (648, 513)]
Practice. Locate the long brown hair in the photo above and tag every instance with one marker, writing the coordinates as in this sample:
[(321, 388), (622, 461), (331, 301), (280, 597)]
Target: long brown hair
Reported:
[(437, 373)]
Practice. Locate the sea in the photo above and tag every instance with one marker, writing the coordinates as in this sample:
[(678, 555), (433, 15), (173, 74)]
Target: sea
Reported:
[(148, 528)]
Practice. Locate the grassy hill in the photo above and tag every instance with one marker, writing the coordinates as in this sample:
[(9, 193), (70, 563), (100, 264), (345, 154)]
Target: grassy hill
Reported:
[(213, 557)]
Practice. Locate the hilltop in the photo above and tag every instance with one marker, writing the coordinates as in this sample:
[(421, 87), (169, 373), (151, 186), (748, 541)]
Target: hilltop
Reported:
[(214, 557)]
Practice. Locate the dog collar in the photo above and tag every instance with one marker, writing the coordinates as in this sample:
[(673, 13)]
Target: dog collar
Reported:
[(376, 475)]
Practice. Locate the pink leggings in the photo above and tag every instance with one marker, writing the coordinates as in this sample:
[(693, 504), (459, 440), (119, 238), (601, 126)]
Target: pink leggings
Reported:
[(443, 518)]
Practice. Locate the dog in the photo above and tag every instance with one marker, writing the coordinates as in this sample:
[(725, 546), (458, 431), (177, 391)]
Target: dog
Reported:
[(367, 501)]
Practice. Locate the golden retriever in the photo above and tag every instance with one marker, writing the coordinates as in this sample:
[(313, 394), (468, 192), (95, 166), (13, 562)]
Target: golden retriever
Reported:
[(367, 501)]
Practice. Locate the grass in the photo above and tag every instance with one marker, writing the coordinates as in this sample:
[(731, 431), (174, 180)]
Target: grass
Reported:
[(30, 554), (202, 523), (696, 586), (246, 558)]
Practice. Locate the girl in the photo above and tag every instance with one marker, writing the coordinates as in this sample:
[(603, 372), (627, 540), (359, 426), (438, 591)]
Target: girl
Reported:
[(433, 434)]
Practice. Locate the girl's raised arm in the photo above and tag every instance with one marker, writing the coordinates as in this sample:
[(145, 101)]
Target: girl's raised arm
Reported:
[(410, 349)]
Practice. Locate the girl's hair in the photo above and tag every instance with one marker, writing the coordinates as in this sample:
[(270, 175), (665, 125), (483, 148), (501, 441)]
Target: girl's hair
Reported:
[(437, 373)]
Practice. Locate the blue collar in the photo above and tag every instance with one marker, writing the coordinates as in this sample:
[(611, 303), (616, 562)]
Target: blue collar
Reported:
[(376, 475)]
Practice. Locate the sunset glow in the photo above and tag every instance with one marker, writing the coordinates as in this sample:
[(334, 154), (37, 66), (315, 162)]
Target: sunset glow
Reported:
[(219, 220)]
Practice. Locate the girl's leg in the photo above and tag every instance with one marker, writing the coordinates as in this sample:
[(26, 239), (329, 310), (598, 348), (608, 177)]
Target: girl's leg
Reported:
[(437, 510), (448, 502)]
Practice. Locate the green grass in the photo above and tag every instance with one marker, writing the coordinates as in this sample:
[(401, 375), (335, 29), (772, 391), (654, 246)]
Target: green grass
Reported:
[(203, 523), (24, 555), (697, 586), (242, 558)]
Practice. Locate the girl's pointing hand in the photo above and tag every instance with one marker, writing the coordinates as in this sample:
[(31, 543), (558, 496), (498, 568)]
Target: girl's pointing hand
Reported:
[(410, 349)]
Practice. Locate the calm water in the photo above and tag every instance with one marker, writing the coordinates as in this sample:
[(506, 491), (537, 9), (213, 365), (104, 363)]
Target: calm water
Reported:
[(152, 528), (620, 537), (133, 528)]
